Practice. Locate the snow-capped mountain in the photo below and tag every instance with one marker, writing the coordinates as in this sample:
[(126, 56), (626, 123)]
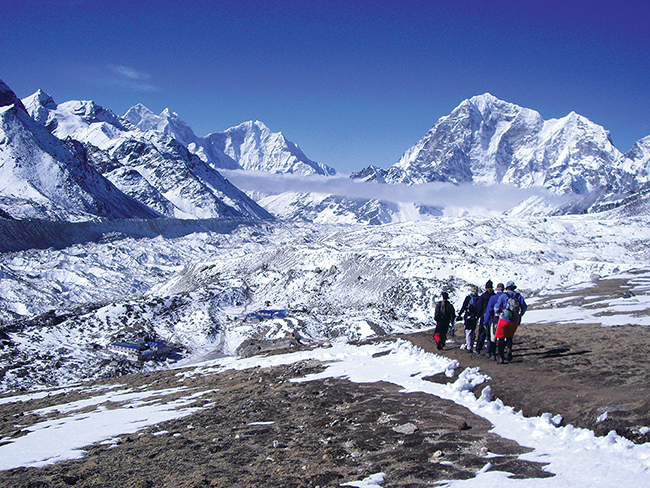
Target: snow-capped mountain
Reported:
[(488, 141), (44, 177), (73, 116), (250, 145), (637, 159), (171, 124), (150, 166), (327, 208), (167, 122), (256, 148)]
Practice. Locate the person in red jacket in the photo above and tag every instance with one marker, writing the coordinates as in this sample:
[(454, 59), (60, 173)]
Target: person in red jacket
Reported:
[(491, 320), (510, 307)]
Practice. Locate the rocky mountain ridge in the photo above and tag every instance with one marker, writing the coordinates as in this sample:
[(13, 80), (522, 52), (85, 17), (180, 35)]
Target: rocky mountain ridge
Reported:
[(250, 145), (487, 141), (148, 174), (45, 177)]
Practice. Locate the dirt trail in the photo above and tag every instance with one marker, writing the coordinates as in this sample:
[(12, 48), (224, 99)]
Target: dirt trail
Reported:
[(577, 371)]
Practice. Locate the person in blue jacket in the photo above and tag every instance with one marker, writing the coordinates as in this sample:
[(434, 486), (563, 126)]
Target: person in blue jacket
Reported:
[(510, 307), (490, 320), (482, 333)]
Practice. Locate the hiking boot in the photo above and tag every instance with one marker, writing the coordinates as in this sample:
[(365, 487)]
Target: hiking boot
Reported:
[(500, 360), (509, 357)]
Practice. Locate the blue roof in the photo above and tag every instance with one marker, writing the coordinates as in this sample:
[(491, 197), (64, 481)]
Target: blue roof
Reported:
[(274, 313), (128, 345)]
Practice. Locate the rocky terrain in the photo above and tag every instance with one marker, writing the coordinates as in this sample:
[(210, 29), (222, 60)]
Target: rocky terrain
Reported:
[(261, 429)]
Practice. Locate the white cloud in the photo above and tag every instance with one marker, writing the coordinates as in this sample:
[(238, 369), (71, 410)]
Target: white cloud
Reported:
[(130, 78), (130, 73), (494, 197)]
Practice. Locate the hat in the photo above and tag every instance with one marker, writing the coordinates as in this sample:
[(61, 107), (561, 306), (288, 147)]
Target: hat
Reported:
[(500, 286), (488, 284), (444, 295), (511, 284)]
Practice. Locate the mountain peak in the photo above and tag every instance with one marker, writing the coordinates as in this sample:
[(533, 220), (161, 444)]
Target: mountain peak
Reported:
[(485, 98), (486, 140), (251, 125), (255, 147), (139, 108), (488, 103), (139, 113), (167, 122), (40, 98)]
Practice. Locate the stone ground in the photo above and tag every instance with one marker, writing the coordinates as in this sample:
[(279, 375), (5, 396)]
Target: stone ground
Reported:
[(332, 431)]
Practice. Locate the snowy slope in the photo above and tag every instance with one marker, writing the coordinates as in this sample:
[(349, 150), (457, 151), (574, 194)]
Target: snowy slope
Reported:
[(340, 282), (151, 166), (43, 177), (250, 145)]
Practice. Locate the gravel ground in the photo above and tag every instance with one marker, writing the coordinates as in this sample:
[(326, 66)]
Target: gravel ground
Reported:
[(329, 432)]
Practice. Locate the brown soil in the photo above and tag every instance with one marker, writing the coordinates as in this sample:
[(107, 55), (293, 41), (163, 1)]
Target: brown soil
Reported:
[(329, 432), (576, 371)]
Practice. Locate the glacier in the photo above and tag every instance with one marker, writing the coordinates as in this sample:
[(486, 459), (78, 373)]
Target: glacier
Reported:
[(340, 282)]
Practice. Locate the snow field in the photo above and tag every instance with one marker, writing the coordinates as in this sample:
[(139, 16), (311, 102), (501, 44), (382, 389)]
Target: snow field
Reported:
[(57, 439), (347, 282)]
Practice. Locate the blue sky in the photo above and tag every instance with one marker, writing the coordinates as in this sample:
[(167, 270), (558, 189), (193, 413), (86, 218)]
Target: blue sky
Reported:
[(352, 83)]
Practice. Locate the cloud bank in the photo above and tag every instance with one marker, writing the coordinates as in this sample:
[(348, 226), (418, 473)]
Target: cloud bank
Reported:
[(499, 197)]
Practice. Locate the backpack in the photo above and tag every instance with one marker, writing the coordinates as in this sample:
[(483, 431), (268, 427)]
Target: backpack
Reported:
[(512, 312), (472, 309)]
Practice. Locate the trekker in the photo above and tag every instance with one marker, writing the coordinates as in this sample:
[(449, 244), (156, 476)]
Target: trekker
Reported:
[(444, 316), (511, 306), (470, 311), (482, 307), (490, 320)]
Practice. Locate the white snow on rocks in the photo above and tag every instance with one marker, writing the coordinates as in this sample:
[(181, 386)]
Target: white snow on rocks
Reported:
[(576, 456)]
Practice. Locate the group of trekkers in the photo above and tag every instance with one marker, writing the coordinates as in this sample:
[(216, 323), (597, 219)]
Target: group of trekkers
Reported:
[(490, 319)]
